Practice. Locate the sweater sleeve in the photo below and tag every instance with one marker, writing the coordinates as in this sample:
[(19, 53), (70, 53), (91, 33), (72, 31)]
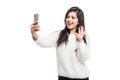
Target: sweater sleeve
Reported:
[(83, 50), (49, 41)]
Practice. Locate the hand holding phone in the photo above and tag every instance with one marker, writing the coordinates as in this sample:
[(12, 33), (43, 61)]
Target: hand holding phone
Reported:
[(36, 26)]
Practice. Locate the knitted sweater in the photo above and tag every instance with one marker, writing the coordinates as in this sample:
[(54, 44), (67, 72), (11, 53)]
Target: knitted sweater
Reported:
[(71, 57)]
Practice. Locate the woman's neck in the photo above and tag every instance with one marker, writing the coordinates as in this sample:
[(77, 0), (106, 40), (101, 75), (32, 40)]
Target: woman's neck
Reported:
[(72, 31)]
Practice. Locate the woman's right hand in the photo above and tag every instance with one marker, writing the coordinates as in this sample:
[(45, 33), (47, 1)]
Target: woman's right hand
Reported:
[(34, 28)]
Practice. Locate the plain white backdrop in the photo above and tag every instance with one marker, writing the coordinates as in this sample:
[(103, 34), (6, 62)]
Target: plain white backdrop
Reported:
[(22, 59)]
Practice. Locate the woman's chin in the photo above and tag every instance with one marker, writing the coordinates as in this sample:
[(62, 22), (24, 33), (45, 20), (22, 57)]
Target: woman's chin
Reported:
[(69, 27)]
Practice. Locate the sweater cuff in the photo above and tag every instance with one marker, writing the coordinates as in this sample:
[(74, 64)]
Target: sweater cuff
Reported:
[(38, 41)]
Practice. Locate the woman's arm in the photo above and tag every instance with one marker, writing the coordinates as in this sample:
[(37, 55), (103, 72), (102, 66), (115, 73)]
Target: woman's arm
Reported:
[(83, 50), (49, 41)]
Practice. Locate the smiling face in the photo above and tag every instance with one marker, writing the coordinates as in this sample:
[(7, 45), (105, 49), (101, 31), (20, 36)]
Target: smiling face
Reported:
[(71, 21)]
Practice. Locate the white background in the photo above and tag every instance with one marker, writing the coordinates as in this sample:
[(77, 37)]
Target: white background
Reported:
[(22, 59)]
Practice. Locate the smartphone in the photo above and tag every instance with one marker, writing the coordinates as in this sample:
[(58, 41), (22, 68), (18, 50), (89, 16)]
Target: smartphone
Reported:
[(36, 17)]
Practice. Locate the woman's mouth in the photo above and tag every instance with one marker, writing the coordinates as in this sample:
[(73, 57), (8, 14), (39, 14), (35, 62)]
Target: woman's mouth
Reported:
[(69, 24)]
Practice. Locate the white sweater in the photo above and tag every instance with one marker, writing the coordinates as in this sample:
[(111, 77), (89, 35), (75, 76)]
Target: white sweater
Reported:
[(71, 57)]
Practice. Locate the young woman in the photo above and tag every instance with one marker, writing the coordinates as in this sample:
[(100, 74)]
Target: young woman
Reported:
[(72, 46)]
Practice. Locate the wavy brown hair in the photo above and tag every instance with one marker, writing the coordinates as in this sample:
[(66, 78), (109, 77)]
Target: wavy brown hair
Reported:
[(64, 34)]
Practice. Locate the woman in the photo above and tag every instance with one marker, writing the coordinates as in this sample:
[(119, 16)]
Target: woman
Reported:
[(72, 46)]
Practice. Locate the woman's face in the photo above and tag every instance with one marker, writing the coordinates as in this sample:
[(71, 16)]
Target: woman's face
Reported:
[(72, 21)]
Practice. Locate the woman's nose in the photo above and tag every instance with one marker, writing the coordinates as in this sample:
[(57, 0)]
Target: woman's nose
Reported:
[(69, 19)]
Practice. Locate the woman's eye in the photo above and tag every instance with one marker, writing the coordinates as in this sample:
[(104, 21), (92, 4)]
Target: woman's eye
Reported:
[(67, 17), (73, 17)]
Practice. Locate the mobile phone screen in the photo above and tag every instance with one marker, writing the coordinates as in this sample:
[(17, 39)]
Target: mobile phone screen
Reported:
[(36, 17)]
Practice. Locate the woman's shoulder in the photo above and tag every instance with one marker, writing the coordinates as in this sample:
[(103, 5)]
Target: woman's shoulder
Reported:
[(57, 32)]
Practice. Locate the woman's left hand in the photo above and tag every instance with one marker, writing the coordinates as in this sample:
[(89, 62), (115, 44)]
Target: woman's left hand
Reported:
[(80, 34)]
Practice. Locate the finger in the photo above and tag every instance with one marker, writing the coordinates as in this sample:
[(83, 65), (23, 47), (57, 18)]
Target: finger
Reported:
[(33, 28), (82, 29), (34, 23), (36, 29), (79, 30)]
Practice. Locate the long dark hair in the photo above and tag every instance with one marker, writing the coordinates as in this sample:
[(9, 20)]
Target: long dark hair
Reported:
[(63, 36)]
